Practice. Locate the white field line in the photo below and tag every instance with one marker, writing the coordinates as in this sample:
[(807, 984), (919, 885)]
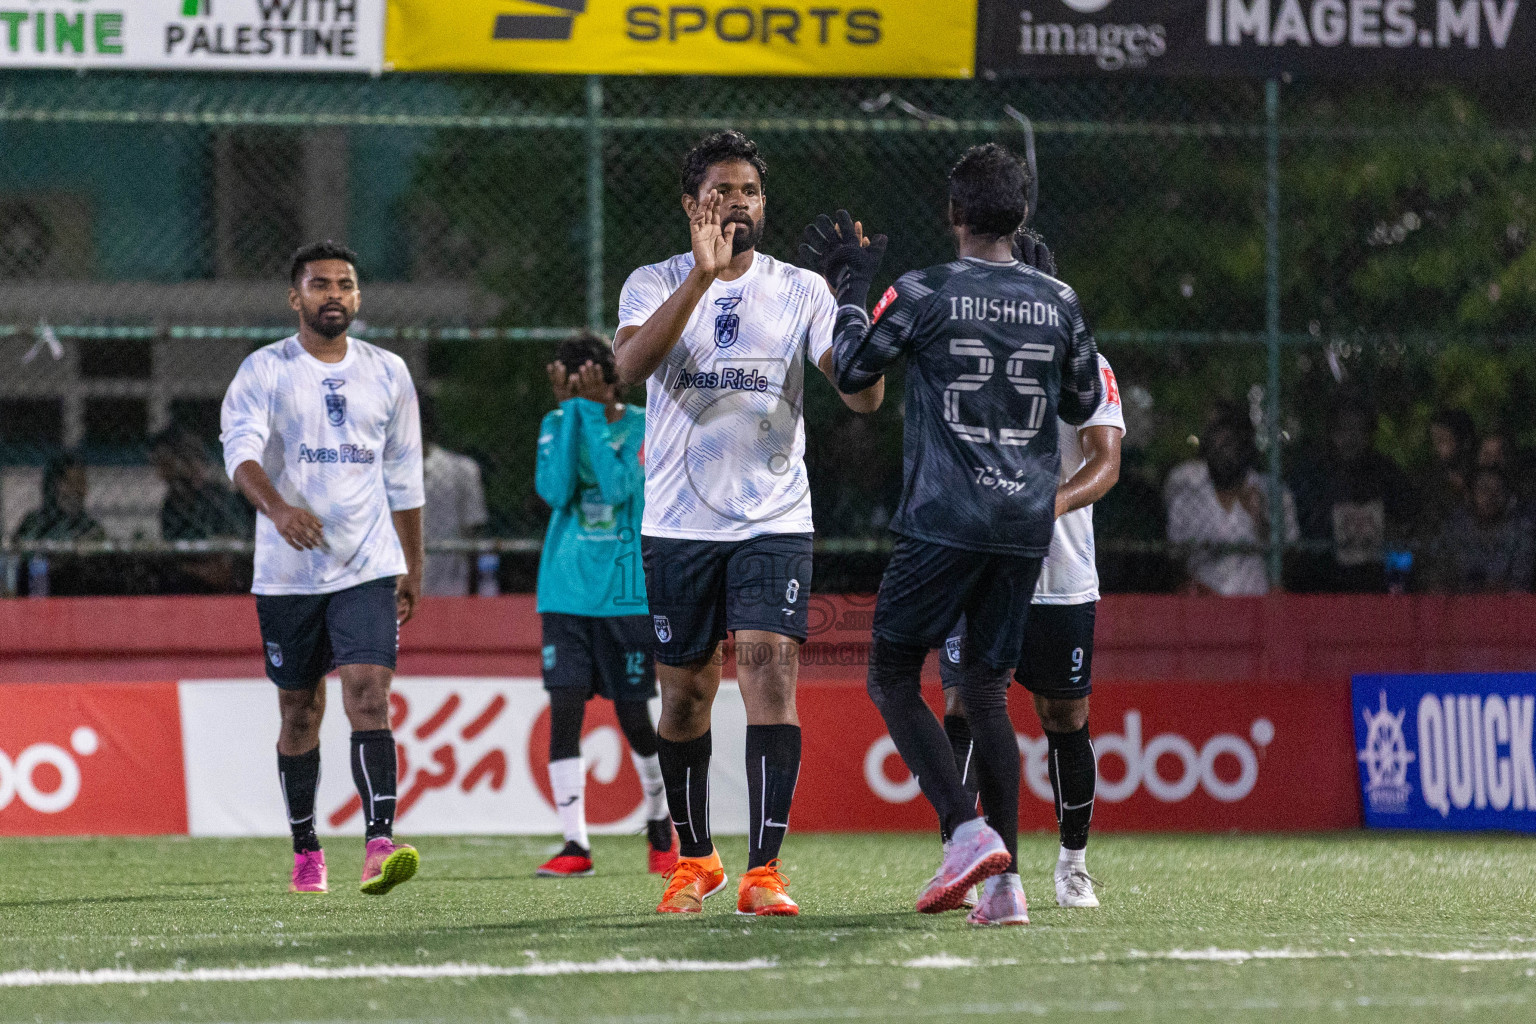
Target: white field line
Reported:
[(620, 965), (1240, 956), (426, 972)]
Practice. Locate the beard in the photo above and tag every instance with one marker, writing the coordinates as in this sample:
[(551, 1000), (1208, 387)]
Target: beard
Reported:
[(747, 234), (325, 326)]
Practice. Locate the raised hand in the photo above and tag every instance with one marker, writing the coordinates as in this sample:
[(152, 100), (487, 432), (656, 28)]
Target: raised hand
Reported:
[(837, 249), (713, 244), (589, 383), (562, 382)]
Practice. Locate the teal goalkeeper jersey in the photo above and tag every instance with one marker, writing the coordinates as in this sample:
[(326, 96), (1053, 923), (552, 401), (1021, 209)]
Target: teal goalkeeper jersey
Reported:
[(589, 472)]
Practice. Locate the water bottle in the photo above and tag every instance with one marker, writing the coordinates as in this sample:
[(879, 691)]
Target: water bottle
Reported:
[(488, 565), (37, 576), (12, 575), (1398, 565)]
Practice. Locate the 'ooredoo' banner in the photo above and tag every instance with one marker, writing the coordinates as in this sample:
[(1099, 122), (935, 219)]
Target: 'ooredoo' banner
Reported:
[(100, 759), (199, 757)]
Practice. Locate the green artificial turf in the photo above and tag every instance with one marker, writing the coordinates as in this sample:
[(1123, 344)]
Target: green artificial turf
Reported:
[(1352, 917)]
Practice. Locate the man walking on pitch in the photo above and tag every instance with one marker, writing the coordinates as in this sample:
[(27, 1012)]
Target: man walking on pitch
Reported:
[(721, 336), (1057, 662), (596, 635), (996, 352), (322, 433)]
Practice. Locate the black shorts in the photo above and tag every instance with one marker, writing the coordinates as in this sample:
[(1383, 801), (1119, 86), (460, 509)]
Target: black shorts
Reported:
[(927, 587), (1058, 652), (304, 636), (701, 590), (605, 656)]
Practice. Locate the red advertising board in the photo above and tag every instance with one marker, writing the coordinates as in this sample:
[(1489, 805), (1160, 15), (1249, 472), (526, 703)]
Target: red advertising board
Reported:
[(1172, 756), (99, 758)]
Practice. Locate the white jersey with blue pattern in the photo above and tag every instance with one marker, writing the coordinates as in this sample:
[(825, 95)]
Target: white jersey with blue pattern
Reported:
[(342, 440), (724, 435)]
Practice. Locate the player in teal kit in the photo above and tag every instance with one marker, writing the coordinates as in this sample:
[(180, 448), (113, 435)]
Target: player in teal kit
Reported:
[(597, 633)]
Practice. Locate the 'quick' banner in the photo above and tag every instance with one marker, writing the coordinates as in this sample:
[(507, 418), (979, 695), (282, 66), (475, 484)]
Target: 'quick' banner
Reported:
[(1447, 751)]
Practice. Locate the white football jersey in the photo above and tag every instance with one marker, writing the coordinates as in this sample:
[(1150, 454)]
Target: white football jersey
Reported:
[(1069, 575), (342, 440), (724, 435)]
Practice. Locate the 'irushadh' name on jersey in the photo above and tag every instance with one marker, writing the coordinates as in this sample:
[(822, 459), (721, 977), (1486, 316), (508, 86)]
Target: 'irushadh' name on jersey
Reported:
[(724, 435), (1003, 311)]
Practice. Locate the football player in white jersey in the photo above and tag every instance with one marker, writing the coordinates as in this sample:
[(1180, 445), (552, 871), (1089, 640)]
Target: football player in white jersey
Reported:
[(720, 336), (322, 433), (1057, 665)]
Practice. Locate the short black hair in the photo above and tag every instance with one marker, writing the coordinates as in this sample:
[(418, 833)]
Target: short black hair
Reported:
[(326, 250), (587, 347), (54, 473), (988, 189), (717, 149)]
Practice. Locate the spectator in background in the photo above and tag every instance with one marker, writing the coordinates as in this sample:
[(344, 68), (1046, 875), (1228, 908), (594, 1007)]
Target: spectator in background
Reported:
[(197, 506), (60, 517), (1356, 500), (62, 514), (1497, 452), (1218, 506), (1446, 489), (1485, 546), (455, 510)]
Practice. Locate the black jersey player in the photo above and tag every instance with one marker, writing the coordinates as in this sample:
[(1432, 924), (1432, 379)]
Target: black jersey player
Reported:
[(996, 351)]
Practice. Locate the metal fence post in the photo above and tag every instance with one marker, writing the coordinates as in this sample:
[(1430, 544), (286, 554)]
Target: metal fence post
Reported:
[(595, 202), (1272, 326)]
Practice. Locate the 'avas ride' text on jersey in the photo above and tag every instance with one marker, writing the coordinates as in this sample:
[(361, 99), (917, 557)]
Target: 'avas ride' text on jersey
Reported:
[(725, 440)]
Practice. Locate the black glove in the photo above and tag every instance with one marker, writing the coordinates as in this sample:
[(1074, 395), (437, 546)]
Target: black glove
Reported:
[(832, 250), (1029, 247)]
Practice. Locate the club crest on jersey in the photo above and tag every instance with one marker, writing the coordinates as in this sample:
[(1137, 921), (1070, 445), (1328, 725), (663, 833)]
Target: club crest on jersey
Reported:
[(335, 404), (663, 628), (727, 324), (274, 654)]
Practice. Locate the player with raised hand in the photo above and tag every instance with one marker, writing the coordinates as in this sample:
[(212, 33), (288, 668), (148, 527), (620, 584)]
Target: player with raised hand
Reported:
[(596, 637), (996, 351), (322, 433), (721, 336), (1057, 662)]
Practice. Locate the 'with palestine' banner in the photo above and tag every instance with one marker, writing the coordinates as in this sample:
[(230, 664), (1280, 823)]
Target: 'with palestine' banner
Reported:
[(1256, 37), (906, 38)]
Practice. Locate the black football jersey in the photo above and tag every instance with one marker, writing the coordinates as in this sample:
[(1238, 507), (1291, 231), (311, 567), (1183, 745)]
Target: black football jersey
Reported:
[(996, 352)]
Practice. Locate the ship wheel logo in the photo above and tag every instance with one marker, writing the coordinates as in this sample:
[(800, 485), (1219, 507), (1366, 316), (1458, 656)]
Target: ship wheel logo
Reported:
[(1386, 758)]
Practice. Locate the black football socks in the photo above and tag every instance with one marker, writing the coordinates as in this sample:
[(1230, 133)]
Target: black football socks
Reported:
[(373, 772), (1073, 775), (685, 769), (773, 766), (895, 685), (958, 729), (996, 756), (300, 777)]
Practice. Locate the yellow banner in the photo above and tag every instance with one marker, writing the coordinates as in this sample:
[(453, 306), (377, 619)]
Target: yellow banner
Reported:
[(885, 38)]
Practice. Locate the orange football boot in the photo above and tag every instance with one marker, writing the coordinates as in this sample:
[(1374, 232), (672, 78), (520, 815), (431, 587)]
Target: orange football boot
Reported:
[(762, 893), (691, 881)]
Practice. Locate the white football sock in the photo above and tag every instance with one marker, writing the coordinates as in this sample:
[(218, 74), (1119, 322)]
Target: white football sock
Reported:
[(568, 782), (1073, 858), (652, 783)]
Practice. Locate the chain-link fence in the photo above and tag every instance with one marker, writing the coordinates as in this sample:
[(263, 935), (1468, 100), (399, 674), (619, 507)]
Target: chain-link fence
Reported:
[(1318, 299)]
